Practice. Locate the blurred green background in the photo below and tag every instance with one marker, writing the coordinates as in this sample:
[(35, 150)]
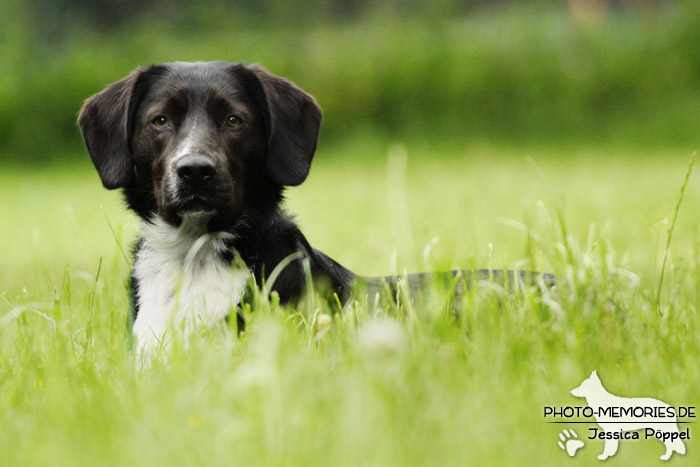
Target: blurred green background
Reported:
[(595, 71), (441, 119)]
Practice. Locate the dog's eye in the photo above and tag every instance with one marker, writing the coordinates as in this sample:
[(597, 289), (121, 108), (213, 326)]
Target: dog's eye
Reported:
[(234, 121), (160, 121)]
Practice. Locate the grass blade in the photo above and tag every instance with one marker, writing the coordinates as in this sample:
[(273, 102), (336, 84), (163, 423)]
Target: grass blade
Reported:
[(670, 230)]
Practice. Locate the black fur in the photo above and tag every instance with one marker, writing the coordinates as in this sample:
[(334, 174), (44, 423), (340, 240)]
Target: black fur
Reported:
[(268, 145)]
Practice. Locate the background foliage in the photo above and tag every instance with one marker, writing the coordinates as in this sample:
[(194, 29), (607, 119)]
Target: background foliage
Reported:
[(465, 71)]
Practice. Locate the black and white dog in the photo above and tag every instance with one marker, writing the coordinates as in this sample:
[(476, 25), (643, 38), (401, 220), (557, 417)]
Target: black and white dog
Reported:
[(202, 153)]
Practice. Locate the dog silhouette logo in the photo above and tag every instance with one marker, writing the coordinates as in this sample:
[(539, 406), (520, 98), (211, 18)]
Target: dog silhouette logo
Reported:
[(621, 417)]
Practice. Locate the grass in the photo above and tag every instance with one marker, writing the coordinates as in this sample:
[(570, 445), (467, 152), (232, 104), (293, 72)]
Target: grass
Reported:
[(394, 385)]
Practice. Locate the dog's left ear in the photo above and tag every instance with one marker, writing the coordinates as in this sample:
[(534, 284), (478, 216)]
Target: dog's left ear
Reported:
[(293, 120)]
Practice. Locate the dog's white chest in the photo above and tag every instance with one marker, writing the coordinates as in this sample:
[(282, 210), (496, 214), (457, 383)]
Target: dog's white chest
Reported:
[(183, 283)]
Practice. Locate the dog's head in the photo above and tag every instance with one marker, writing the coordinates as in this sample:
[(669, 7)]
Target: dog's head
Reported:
[(183, 138), (588, 386)]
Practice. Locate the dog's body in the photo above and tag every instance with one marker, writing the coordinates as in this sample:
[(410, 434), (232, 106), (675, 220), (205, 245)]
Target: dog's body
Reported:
[(202, 153), (597, 397)]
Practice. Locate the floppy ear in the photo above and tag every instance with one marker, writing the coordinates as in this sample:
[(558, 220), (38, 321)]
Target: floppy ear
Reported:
[(104, 121), (293, 120)]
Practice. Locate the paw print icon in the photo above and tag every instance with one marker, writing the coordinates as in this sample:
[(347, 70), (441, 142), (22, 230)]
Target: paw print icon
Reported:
[(569, 442)]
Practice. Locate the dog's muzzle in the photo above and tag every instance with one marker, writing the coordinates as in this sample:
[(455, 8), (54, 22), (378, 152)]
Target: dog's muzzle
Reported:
[(193, 177)]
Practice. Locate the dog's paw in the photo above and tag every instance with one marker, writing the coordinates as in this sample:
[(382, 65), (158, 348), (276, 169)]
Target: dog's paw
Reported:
[(569, 442)]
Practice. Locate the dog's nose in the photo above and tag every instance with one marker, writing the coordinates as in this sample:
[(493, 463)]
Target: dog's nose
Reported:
[(195, 169)]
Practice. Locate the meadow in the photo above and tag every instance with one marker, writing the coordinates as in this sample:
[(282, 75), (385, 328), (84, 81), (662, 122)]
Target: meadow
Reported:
[(404, 384)]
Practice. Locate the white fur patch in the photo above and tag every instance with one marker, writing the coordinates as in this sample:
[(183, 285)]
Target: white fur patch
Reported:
[(184, 148), (183, 282)]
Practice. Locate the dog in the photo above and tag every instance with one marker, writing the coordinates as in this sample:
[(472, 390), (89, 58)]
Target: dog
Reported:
[(604, 405), (202, 153)]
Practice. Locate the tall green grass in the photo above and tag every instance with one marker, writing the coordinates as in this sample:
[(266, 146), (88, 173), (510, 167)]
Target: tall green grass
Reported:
[(406, 384)]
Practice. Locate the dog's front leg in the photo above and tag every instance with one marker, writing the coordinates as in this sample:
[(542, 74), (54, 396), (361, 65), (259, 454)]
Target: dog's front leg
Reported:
[(609, 449)]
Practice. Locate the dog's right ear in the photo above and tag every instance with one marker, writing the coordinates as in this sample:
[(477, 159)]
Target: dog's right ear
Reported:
[(105, 121)]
